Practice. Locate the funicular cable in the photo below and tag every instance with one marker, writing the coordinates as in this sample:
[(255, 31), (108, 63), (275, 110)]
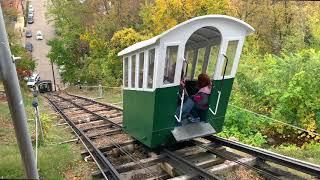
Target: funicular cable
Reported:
[(281, 122), (102, 170), (131, 157), (231, 158)]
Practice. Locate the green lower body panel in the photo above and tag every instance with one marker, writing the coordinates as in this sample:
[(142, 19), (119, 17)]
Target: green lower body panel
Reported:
[(138, 113), (149, 116), (225, 87)]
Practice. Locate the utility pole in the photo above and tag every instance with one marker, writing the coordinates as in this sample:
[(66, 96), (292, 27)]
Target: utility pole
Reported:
[(9, 76), (54, 78)]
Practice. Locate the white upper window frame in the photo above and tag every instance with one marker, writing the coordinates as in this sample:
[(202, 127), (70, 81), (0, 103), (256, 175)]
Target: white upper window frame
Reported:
[(155, 67), (178, 62), (193, 70), (138, 69), (161, 65), (135, 72), (229, 27), (145, 69), (211, 59), (194, 62), (129, 71), (221, 58), (123, 72)]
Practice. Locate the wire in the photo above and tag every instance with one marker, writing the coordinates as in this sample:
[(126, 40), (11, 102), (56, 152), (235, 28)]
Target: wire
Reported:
[(281, 122)]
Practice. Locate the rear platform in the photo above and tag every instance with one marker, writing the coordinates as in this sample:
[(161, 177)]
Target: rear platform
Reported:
[(192, 130)]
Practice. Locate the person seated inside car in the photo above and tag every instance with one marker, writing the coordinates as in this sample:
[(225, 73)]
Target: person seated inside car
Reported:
[(193, 104)]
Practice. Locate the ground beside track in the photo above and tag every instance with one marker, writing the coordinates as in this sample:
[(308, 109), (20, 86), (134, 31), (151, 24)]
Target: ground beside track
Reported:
[(109, 95), (55, 161)]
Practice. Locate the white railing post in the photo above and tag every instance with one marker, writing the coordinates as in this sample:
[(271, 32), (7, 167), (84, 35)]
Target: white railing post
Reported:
[(181, 106), (100, 91)]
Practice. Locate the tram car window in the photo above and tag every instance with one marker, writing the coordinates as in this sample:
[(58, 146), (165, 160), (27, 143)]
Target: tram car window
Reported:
[(154, 69)]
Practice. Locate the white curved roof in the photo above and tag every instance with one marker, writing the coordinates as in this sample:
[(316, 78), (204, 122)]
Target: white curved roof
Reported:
[(153, 40)]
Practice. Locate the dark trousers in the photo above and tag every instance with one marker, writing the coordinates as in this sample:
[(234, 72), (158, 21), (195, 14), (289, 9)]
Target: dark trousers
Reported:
[(188, 110)]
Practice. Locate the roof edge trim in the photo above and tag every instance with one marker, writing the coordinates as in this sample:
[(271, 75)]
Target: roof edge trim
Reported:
[(153, 40)]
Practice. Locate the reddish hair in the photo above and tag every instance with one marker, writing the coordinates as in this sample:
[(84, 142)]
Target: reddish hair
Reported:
[(203, 80)]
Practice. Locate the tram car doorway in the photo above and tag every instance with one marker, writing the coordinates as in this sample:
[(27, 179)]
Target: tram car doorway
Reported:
[(153, 70)]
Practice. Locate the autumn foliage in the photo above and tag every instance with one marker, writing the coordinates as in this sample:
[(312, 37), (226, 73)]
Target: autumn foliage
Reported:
[(278, 73)]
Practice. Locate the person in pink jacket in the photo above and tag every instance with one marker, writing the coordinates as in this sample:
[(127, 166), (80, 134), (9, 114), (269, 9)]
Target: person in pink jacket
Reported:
[(200, 101)]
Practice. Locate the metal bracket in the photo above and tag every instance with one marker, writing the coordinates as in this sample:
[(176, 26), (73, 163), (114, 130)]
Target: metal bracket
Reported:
[(14, 59)]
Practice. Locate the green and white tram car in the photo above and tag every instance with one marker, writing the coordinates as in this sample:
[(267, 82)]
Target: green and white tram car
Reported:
[(152, 71)]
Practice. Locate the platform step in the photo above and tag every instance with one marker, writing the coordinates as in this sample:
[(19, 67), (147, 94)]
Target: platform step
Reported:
[(192, 130)]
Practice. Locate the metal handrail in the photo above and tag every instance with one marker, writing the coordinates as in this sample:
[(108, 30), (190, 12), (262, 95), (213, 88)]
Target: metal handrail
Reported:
[(219, 92), (182, 101), (217, 104)]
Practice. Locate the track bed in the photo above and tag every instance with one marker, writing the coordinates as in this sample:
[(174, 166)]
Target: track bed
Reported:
[(118, 156)]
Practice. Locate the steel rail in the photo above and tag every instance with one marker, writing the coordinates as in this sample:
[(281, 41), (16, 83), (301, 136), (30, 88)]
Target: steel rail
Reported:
[(199, 170), (230, 158), (131, 157), (88, 111), (85, 146), (112, 172), (115, 144), (296, 164)]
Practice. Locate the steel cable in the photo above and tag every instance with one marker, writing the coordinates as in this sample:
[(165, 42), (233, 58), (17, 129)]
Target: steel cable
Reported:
[(237, 161), (94, 159), (281, 122), (131, 157), (126, 152)]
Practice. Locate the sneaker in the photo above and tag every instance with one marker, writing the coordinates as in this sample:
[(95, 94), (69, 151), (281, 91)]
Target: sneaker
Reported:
[(194, 120)]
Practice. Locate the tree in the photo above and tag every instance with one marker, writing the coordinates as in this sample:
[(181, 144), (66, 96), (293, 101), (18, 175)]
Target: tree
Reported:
[(84, 43), (164, 14), (280, 25), (26, 65)]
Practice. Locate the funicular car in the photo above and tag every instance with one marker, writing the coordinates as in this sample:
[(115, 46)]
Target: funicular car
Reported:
[(152, 72), (44, 86)]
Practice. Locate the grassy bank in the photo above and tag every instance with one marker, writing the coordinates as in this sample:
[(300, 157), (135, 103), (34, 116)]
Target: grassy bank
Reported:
[(55, 161), (109, 95), (255, 130), (309, 152)]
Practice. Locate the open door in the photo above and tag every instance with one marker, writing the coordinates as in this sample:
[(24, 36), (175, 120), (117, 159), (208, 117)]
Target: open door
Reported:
[(201, 54)]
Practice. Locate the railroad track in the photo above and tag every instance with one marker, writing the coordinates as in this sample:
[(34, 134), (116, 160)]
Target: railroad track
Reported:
[(118, 156)]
